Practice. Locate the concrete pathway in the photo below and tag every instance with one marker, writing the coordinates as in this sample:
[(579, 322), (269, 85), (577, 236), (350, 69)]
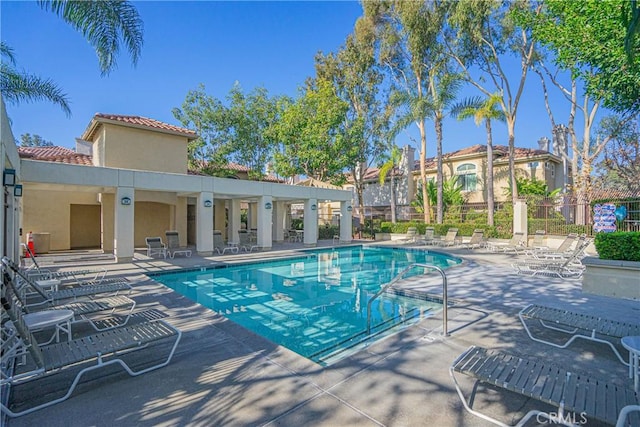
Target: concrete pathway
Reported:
[(223, 375)]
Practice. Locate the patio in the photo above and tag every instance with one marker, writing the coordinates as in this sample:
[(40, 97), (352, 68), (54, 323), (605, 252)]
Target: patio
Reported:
[(223, 374)]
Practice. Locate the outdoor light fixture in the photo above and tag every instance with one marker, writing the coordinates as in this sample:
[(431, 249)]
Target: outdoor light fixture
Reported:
[(268, 205), (314, 207), (125, 201), (9, 177), (207, 203), (17, 191), (349, 208)]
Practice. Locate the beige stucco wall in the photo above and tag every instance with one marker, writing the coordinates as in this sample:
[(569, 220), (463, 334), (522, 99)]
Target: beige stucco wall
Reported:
[(151, 220), (50, 212), (131, 148)]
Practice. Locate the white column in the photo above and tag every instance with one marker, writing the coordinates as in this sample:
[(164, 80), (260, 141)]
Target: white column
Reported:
[(520, 217), (264, 222), (124, 219), (204, 224), (345, 222), (311, 222), (234, 221), (279, 217)]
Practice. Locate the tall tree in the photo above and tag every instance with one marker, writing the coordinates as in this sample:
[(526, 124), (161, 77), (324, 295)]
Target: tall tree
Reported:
[(106, 24), (586, 41), (28, 140), (408, 33), (621, 164), (311, 130), (485, 32), (250, 120), (443, 89), (357, 79), (484, 111), (391, 168), (210, 119), (588, 38)]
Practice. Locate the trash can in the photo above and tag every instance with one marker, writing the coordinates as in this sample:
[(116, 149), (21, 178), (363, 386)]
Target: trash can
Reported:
[(41, 243)]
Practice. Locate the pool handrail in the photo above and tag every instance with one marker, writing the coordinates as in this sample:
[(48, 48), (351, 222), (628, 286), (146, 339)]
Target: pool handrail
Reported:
[(399, 276)]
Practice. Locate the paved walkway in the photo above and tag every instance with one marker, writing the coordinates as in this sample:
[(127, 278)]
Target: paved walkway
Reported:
[(223, 375)]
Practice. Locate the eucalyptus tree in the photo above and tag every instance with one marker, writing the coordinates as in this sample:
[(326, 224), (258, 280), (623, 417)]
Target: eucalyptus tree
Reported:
[(587, 41), (107, 25), (311, 133), (483, 110), (407, 33), (210, 119), (357, 79), (485, 35), (251, 118)]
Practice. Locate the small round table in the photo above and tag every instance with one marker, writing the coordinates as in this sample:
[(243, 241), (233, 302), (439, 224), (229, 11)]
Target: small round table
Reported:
[(60, 319), (632, 344)]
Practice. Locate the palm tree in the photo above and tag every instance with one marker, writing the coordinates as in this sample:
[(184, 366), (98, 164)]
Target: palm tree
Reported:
[(443, 87), (19, 86), (105, 24), (391, 166), (484, 110)]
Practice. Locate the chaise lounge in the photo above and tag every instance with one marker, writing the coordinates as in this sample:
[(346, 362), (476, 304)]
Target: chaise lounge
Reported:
[(577, 393), (577, 325), (103, 349)]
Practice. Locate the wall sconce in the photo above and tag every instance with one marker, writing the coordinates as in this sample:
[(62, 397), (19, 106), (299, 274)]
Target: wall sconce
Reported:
[(349, 208), (314, 207), (207, 203), (126, 201), (17, 191), (9, 177), (268, 205)]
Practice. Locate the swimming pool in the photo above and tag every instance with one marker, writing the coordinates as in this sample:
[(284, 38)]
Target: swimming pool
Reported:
[(314, 304)]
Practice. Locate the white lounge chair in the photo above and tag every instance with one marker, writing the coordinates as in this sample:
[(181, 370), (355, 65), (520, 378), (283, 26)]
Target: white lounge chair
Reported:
[(429, 237), (155, 247), (578, 325), (104, 348), (220, 246), (82, 309), (476, 241), (541, 380), (565, 268), (247, 242), (515, 244), (450, 239), (173, 245)]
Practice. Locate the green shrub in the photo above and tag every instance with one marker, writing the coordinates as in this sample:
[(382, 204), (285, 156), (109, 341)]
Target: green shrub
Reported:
[(328, 231), (624, 246)]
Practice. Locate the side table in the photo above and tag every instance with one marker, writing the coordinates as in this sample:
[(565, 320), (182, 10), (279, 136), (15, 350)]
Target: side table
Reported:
[(632, 344)]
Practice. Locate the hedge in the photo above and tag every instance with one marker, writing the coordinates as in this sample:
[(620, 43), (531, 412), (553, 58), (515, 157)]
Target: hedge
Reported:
[(620, 245)]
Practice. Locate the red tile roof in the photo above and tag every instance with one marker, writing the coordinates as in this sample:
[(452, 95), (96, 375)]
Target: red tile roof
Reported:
[(134, 121), (499, 151), (55, 154)]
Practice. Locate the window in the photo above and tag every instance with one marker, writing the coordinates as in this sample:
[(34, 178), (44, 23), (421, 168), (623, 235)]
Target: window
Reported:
[(467, 176)]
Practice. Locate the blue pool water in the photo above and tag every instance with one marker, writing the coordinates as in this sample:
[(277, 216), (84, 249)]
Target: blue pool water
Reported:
[(315, 304)]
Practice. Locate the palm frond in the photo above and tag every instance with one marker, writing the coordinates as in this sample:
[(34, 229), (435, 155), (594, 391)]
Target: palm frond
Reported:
[(19, 86), (7, 52), (105, 24)]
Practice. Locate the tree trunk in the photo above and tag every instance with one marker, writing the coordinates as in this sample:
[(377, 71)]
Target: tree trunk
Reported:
[(490, 196), (511, 125), (439, 177), (423, 171)]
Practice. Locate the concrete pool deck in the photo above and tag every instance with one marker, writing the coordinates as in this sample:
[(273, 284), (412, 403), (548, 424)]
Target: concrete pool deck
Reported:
[(224, 375)]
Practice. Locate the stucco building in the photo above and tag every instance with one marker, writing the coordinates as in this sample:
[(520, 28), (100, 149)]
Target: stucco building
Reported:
[(469, 166), (128, 179)]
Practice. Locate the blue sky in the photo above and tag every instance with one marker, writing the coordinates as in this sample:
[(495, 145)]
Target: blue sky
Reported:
[(270, 44)]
